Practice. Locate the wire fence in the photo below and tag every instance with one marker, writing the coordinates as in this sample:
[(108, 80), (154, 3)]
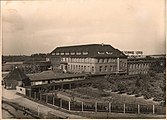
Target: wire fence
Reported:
[(97, 107)]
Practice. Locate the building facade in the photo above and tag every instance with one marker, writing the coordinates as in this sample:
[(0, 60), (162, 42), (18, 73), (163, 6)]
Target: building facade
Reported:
[(92, 58), (138, 66)]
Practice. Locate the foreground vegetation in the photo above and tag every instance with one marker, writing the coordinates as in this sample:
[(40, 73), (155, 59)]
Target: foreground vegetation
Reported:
[(152, 85)]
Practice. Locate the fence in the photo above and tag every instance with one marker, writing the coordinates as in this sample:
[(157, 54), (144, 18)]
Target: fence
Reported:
[(97, 107)]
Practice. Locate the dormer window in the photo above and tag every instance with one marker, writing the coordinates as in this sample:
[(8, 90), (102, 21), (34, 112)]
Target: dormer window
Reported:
[(53, 53), (57, 54), (78, 53), (85, 53), (66, 53), (62, 53), (101, 53), (72, 53), (109, 53)]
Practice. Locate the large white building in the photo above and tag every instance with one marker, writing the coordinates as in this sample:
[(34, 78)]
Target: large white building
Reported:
[(91, 58)]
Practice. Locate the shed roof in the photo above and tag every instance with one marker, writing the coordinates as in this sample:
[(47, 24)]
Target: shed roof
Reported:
[(50, 75)]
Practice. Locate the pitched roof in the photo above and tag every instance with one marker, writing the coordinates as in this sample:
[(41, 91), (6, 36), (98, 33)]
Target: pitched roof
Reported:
[(94, 51), (50, 75), (16, 74)]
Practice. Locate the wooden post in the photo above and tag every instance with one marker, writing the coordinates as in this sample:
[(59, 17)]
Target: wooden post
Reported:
[(30, 93), (35, 95), (124, 108), (69, 86), (62, 86), (95, 106), (53, 100), (138, 106), (40, 97), (109, 106), (69, 105), (60, 103), (46, 98), (82, 107), (153, 109)]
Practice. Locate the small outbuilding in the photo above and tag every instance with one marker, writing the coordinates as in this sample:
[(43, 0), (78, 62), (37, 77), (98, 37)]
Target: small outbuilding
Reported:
[(16, 78)]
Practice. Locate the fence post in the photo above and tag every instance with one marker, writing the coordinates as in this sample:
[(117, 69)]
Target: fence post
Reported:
[(124, 108), (153, 109), (34, 95), (30, 93), (109, 107), (53, 100), (69, 86), (46, 98), (95, 106), (69, 105), (82, 106), (40, 97), (60, 103), (138, 106)]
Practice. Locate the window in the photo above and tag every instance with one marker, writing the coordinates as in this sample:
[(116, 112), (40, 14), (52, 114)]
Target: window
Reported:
[(109, 53), (105, 60), (78, 53), (92, 68), (62, 53), (105, 68), (101, 53), (85, 53), (100, 68), (53, 53), (57, 54), (72, 53), (66, 53), (111, 68)]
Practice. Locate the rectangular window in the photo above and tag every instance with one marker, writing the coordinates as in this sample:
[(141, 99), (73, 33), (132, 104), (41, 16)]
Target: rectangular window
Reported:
[(101, 53), (53, 53), (61, 53), (100, 68), (105, 68), (109, 53), (57, 54), (111, 68), (92, 68), (78, 53), (66, 53), (85, 53), (72, 53)]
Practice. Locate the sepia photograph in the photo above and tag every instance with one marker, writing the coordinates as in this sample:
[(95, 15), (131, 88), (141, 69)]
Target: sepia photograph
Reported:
[(83, 59)]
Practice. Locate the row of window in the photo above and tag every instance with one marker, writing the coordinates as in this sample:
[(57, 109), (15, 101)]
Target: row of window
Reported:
[(139, 65), (70, 53), (83, 60), (79, 53), (101, 68)]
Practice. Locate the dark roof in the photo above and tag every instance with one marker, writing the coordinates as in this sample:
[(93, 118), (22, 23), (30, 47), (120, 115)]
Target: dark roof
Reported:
[(16, 74), (92, 50), (51, 75)]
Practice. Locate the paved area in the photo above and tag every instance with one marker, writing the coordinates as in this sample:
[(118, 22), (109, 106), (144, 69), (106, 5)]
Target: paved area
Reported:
[(10, 95)]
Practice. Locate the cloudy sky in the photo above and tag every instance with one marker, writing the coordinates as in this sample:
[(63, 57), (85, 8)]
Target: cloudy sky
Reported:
[(42, 25)]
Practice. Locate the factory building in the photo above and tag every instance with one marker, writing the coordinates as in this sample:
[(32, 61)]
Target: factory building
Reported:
[(91, 58)]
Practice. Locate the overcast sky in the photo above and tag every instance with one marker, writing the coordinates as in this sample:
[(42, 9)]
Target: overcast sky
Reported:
[(40, 26)]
